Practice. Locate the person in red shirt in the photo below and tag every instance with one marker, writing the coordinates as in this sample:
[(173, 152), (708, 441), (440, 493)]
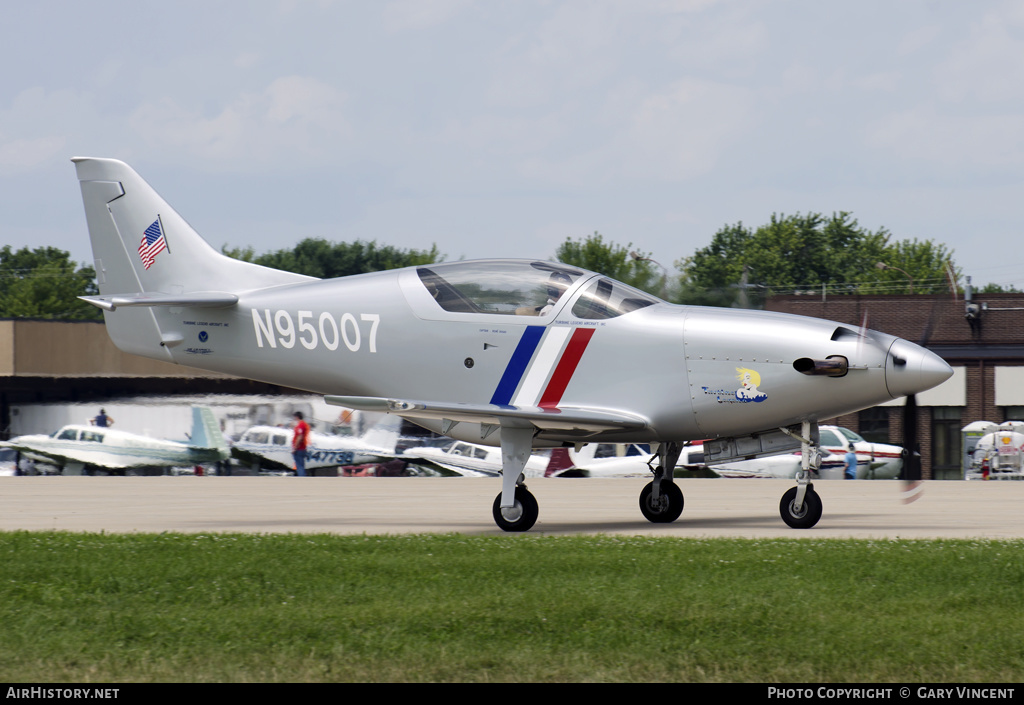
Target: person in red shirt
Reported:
[(300, 437)]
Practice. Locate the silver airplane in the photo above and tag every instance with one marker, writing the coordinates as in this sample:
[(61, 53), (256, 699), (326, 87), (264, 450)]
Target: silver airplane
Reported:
[(118, 451), (519, 354)]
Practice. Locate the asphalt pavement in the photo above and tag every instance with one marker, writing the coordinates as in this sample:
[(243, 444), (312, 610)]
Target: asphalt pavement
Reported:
[(354, 505)]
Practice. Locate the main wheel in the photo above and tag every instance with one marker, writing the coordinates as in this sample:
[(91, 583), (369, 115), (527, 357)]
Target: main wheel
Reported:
[(667, 508), (521, 516), (809, 513)]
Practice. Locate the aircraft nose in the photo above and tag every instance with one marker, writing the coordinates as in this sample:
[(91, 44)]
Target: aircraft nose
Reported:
[(910, 369)]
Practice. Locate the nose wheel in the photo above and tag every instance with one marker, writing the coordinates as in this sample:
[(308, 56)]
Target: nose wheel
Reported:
[(809, 512)]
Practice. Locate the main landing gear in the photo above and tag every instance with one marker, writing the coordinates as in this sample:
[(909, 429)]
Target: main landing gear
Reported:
[(521, 516), (515, 509), (661, 501)]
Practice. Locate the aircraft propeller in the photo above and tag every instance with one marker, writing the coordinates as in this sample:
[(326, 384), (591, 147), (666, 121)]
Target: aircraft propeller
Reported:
[(911, 473)]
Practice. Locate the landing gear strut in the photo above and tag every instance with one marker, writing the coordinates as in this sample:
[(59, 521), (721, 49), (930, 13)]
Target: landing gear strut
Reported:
[(661, 501), (801, 506), (515, 509)]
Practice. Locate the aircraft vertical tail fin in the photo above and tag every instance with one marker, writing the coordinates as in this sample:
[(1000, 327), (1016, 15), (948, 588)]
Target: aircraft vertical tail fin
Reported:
[(559, 461), (206, 431), (384, 434), (147, 255), (141, 244)]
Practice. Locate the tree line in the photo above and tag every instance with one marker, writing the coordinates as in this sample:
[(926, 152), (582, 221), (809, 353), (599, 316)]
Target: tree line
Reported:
[(741, 266)]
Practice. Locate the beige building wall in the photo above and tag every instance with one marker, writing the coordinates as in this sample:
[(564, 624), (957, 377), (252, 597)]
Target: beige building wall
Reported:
[(75, 349), (6, 348)]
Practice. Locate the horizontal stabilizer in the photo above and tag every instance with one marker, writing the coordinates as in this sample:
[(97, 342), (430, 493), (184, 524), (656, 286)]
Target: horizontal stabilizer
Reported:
[(563, 419), (203, 299)]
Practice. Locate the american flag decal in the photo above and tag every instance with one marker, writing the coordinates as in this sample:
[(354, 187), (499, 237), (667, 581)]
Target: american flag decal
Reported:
[(152, 244)]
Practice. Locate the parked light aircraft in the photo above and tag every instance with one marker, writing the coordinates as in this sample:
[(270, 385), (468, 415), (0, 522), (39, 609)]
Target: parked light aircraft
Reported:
[(519, 354), (273, 445), (875, 461), (472, 459), (115, 450), (633, 460)]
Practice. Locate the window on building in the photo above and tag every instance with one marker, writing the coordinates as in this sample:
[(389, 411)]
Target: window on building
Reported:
[(946, 425), (874, 424), (1013, 413)]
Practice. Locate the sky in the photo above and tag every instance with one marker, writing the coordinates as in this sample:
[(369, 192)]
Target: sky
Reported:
[(500, 128)]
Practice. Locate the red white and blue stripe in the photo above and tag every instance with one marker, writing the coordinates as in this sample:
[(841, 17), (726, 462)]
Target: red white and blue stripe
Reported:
[(541, 366)]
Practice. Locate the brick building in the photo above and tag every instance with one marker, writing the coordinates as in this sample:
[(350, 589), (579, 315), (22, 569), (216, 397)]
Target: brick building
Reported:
[(75, 361), (986, 352)]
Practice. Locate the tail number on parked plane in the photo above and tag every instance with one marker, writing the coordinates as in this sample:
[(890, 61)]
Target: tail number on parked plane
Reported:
[(312, 330)]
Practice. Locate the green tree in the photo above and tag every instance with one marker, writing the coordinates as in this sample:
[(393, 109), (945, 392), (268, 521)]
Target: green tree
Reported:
[(805, 252), (45, 283), (614, 261), (993, 288), (320, 258)]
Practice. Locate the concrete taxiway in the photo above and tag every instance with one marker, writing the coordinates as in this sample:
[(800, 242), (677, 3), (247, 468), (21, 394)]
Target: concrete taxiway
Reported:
[(717, 507)]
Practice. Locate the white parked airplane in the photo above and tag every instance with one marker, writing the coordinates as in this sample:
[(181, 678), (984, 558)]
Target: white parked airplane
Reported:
[(472, 459), (874, 460), (272, 446), (119, 451)]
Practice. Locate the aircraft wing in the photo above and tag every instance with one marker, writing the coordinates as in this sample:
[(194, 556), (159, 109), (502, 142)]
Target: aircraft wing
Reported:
[(565, 420), (101, 459), (414, 455)]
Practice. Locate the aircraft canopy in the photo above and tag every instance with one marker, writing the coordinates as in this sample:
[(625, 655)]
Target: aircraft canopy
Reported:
[(525, 288)]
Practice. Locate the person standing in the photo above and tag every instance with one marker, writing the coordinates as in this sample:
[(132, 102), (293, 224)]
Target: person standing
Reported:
[(101, 419), (850, 462), (300, 438)]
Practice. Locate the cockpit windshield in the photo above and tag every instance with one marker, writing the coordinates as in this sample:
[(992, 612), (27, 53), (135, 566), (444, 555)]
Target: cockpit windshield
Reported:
[(850, 435), (605, 298), (511, 288), (525, 288)]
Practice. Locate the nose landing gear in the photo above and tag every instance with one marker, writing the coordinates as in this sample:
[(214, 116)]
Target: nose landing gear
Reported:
[(801, 506)]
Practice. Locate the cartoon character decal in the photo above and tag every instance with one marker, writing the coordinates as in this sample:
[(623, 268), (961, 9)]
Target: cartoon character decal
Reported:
[(749, 383), (749, 380)]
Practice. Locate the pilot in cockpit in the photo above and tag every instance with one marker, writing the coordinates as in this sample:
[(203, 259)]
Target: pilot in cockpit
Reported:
[(558, 283)]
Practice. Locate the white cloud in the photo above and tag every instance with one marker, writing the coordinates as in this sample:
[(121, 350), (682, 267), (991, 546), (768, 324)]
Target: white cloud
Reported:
[(413, 15), (37, 126), (917, 39), (952, 142), (26, 154), (882, 82), (246, 59), (670, 135), (680, 132), (296, 120), (987, 65)]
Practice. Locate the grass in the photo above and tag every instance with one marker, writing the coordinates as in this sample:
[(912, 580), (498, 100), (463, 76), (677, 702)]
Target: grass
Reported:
[(257, 608)]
